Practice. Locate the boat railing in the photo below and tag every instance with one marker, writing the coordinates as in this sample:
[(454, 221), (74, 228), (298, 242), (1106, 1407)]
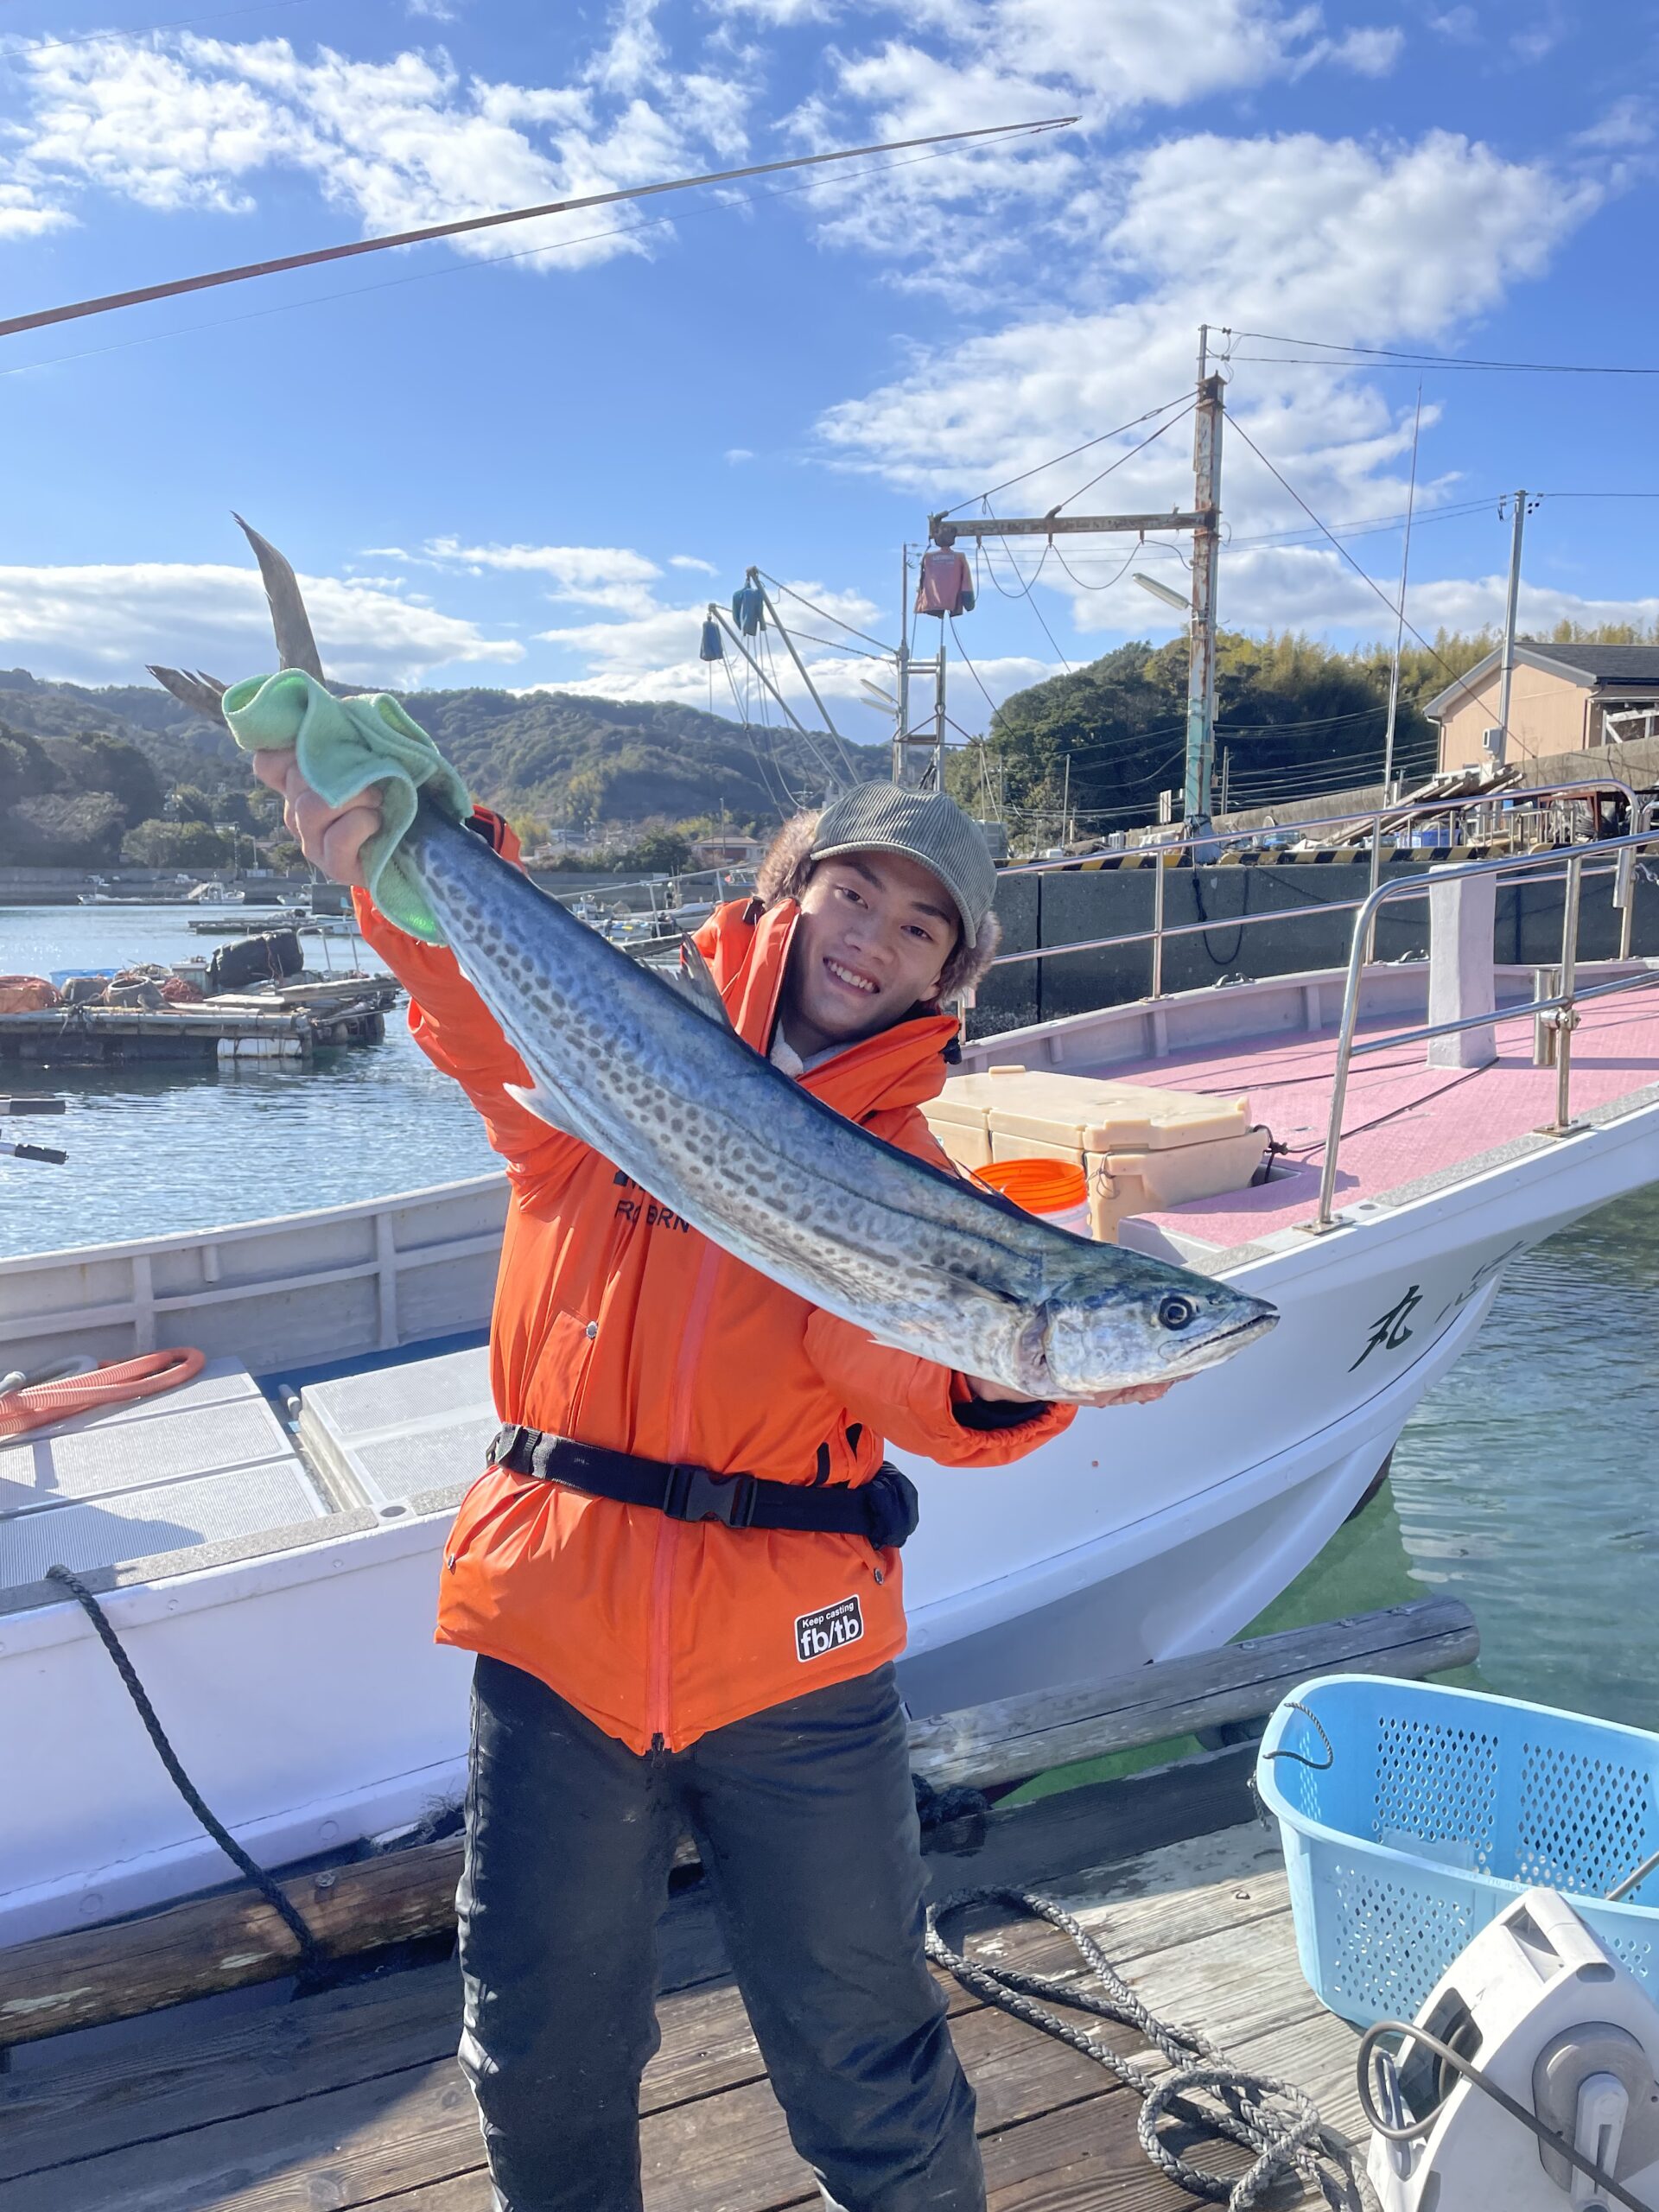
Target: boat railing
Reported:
[(1557, 1009), (1168, 854)]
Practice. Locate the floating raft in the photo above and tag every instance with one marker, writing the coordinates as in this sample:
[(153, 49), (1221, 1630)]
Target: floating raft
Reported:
[(100, 1036)]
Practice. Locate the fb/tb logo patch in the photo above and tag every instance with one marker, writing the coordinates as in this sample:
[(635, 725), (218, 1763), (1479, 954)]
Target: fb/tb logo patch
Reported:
[(828, 1630)]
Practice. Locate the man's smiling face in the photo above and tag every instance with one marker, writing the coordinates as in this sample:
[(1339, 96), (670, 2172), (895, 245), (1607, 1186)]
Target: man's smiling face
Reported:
[(875, 931)]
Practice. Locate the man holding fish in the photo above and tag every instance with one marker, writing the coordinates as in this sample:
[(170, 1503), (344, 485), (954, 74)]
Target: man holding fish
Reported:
[(681, 1572)]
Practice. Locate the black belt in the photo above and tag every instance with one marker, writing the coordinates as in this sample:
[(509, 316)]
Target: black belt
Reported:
[(883, 1510)]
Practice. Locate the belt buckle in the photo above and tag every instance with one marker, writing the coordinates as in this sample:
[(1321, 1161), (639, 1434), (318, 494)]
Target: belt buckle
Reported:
[(695, 1494)]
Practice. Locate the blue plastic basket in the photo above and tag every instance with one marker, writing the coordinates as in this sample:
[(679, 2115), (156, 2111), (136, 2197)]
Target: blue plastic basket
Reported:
[(1428, 1810)]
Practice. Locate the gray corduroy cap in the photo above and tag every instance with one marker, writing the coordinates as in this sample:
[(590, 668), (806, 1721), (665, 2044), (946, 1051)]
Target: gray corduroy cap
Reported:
[(926, 826)]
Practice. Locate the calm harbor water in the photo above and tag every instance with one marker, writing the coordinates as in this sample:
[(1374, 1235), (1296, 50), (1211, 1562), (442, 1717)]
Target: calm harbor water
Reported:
[(158, 1148), (1528, 1483)]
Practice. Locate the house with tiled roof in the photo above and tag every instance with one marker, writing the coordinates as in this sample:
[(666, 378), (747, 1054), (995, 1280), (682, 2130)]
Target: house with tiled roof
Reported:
[(1559, 699)]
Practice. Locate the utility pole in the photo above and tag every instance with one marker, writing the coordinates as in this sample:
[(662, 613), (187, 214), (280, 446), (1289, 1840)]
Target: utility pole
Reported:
[(1203, 519), (1400, 620), (1065, 804), (901, 727), (1501, 748), (918, 757), (1206, 552)]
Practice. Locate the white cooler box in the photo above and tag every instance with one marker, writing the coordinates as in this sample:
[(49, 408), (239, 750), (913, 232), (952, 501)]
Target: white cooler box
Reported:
[(1141, 1150)]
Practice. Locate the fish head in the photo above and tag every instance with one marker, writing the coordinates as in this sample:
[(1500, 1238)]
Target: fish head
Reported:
[(1140, 1323)]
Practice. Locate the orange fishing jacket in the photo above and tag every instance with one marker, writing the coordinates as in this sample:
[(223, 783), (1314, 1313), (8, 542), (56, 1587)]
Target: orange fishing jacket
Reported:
[(616, 1322)]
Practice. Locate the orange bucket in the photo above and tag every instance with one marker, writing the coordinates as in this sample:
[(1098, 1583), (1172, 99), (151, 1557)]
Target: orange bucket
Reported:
[(1044, 1186)]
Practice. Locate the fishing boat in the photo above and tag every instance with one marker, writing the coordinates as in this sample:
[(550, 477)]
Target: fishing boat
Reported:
[(267, 1539)]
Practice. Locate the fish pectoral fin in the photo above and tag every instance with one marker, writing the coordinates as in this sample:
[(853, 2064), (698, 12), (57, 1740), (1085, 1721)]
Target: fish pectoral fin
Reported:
[(546, 1105), (693, 980)]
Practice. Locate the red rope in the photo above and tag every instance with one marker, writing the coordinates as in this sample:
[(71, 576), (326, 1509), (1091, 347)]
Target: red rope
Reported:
[(39, 1403)]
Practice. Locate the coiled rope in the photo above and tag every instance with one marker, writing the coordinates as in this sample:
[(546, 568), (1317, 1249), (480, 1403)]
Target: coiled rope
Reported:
[(1278, 2123), (37, 1403)]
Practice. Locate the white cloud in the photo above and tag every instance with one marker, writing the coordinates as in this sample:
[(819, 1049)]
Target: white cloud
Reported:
[(780, 15), (690, 561), (1627, 124), (1353, 242), (101, 624), (1460, 23), (1310, 588), (21, 216), (186, 121), (737, 453), (1019, 54), (1368, 52), (600, 576), (650, 652)]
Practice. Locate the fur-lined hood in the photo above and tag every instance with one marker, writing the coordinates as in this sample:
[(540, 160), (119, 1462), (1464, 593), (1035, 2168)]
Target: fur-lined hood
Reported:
[(787, 868)]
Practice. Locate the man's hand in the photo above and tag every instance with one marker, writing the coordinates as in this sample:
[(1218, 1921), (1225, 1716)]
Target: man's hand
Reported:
[(331, 837), (1133, 1394)]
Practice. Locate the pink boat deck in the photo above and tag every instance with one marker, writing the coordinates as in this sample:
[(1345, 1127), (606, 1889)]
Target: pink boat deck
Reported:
[(1401, 1119)]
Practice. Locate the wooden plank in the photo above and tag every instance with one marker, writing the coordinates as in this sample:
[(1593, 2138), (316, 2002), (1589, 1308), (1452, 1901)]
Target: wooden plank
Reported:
[(219, 1943), (233, 1938), (1017, 1737), (81, 2109), (712, 2122)]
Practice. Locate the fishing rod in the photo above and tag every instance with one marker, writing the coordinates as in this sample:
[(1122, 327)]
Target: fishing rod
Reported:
[(105, 302)]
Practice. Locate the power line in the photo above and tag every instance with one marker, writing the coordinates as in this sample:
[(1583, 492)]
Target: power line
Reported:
[(1369, 582), (1425, 360), (1030, 601), (177, 286), (1369, 525), (146, 30), (1116, 578), (1133, 422), (1111, 467), (824, 611), (1290, 730)]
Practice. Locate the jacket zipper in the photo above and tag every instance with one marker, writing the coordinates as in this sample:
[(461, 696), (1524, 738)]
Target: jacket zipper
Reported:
[(658, 1687)]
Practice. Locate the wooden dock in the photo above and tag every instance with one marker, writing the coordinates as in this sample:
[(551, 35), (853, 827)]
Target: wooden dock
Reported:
[(353, 2099), (98, 1036)]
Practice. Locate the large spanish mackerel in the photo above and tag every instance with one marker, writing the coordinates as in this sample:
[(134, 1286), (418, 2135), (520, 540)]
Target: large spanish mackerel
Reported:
[(655, 1079)]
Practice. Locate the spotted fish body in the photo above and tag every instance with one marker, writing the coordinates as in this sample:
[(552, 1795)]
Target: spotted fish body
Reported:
[(924, 1260)]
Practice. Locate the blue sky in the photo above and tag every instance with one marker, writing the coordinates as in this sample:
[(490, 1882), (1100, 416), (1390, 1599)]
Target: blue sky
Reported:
[(533, 471)]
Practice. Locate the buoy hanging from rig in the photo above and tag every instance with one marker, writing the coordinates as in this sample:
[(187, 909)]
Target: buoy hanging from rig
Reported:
[(712, 647), (749, 608)]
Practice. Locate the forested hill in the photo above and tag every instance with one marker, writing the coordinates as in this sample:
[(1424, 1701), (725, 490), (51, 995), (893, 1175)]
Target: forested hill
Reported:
[(80, 768), (587, 763), (1293, 717)]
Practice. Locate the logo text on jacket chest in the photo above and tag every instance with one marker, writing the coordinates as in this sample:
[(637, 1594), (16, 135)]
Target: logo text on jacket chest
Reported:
[(818, 1634), (654, 1213)]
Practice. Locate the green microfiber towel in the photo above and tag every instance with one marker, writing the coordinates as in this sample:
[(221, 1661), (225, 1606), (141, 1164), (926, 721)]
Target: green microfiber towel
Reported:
[(344, 746)]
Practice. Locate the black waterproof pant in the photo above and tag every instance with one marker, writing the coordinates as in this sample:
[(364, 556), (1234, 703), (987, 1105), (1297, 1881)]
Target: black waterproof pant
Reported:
[(807, 1826)]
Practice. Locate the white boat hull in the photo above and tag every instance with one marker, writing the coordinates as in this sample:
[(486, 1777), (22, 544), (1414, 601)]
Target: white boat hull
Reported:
[(302, 1686)]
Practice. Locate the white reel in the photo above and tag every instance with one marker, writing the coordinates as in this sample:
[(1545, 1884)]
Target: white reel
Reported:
[(1566, 2042)]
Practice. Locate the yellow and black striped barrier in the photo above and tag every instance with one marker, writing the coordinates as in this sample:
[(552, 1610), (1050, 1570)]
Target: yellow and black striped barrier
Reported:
[(1149, 856)]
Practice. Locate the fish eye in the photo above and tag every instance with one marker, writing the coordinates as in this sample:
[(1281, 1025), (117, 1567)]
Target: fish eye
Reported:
[(1176, 1311)]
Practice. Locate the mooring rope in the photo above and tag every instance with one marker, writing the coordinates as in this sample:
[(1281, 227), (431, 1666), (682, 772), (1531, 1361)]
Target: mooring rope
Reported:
[(1277, 2122), (312, 1962)]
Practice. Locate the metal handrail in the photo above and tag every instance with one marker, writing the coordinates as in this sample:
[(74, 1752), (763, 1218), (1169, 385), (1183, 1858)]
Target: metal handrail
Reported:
[(1562, 1003), (1508, 794)]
